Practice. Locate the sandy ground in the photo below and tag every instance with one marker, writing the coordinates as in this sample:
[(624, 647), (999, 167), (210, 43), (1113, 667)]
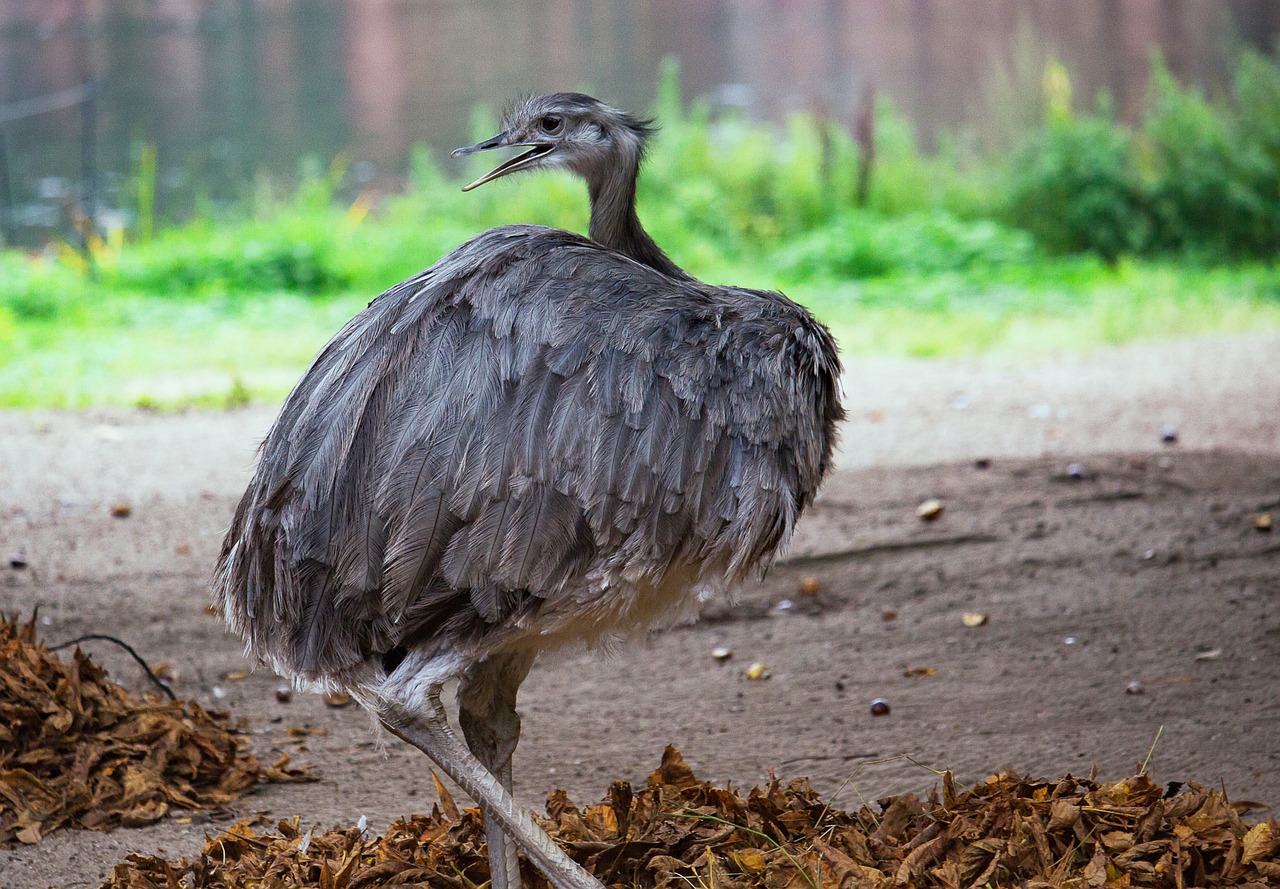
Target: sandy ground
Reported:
[(1148, 570)]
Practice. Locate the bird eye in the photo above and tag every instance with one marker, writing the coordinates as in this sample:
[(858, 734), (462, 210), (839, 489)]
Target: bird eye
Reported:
[(551, 124)]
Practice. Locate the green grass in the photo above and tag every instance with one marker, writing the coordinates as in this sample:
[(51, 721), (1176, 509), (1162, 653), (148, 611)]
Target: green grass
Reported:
[(954, 254), (217, 351)]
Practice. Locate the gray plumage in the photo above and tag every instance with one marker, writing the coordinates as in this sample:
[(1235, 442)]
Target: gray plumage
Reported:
[(541, 439)]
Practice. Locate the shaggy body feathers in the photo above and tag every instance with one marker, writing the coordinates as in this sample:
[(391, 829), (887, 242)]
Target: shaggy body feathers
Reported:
[(538, 440)]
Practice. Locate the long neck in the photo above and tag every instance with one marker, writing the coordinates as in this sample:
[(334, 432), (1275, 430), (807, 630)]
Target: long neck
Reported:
[(614, 222)]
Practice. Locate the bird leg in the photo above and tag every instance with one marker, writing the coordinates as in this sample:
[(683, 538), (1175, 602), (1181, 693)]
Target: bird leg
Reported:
[(491, 726), (431, 734)]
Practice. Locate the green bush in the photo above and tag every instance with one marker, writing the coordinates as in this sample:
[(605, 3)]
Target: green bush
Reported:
[(1075, 185), (868, 245), (1197, 178)]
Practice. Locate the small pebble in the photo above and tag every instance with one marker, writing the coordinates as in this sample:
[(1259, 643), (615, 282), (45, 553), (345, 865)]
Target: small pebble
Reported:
[(284, 694), (879, 707), (758, 671), (721, 653), (1148, 555), (1070, 640), (810, 586), (839, 685), (1135, 688), (336, 699), (930, 509), (888, 614), (1262, 522), (1170, 435), (973, 619), (219, 692), (785, 605), (1077, 471), (982, 463), (121, 511), (17, 563)]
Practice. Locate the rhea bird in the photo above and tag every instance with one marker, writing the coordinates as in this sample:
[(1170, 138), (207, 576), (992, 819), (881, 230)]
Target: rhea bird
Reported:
[(542, 440)]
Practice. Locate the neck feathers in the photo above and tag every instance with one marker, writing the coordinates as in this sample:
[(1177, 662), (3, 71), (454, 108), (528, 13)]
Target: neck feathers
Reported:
[(613, 209)]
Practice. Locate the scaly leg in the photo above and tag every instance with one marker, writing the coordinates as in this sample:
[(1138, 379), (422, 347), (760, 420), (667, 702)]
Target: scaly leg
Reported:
[(431, 734), (491, 726)]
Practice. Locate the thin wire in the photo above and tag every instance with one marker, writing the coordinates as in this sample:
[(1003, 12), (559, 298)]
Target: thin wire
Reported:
[(137, 657)]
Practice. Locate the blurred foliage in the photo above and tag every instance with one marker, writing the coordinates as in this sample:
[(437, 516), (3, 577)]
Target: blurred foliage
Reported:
[(1198, 179), (1088, 228)]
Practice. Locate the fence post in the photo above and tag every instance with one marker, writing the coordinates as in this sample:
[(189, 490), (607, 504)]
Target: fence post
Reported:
[(6, 195), (89, 170)]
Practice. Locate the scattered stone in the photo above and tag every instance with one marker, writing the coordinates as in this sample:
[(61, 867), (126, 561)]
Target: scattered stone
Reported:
[(758, 672), (879, 707), (930, 509)]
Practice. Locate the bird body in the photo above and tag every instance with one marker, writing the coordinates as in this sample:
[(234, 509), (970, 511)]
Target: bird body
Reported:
[(541, 440), (535, 441)]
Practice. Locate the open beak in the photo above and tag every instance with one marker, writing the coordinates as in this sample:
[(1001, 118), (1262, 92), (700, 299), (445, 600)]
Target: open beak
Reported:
[(504, 140)]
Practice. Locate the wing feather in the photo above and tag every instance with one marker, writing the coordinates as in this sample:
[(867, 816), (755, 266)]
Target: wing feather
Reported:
[(489, 435)]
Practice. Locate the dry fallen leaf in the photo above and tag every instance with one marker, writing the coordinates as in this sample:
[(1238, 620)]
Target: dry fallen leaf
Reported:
[(918, 672), (677, 831), (1256, 845), (78, 750)]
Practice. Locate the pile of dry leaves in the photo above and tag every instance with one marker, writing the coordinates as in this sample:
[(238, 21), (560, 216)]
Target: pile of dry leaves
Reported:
[(76, 749), (684, 833)]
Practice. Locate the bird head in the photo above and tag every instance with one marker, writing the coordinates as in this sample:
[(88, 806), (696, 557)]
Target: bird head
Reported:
[(568, 130)]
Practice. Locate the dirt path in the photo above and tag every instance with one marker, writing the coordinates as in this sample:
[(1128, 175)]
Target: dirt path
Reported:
[(1148, 570)]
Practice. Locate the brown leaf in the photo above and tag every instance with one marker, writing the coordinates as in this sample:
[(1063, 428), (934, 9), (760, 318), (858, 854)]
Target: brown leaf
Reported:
[(680, 832), (92, 755), (1256, 843), (447, 805)]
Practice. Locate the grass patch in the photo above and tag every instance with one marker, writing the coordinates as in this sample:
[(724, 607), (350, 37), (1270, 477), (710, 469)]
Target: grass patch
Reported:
[(1090, 233), (224, 351)]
